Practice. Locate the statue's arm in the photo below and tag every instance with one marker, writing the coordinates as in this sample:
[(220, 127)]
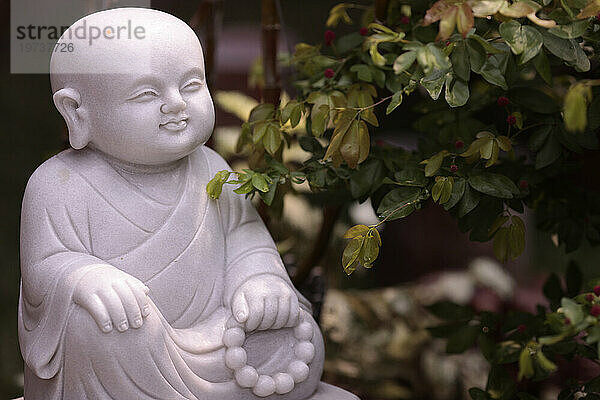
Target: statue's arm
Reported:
[(56, 263), (254, 270)]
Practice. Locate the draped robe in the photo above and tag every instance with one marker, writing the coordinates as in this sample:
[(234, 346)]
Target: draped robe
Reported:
[(193, 253)]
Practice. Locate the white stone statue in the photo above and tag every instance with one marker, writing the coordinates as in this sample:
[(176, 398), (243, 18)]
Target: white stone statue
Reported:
[(135, 284)]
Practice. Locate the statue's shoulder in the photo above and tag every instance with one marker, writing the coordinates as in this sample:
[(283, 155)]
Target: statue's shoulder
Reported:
[(213, 161), (53, 177)]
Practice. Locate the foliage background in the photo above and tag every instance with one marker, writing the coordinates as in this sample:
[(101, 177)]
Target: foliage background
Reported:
[(427, 242)]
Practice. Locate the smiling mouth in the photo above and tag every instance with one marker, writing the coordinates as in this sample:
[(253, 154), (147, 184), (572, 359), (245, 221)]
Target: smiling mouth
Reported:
[(175, 126)]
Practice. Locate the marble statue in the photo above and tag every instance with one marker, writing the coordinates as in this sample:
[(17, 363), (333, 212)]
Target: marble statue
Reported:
[(135, 284)]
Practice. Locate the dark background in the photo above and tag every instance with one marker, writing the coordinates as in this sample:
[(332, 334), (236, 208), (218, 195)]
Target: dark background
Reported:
[(32, 130)]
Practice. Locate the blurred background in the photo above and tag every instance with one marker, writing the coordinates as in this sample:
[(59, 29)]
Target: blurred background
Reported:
[(374, 320)]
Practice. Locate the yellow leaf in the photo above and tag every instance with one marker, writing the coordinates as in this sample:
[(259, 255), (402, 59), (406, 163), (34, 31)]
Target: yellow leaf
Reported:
[(364, 141), (464, 19), (350, 146), (494, 156), (504, 143), (447, 23), (590, 10), (575, 107), (356, 230), (337, 13)]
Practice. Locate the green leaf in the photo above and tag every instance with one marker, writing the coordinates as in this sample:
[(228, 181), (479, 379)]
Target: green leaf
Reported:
[(433, 83), (457, 92), (572, 310), (533, 46), (477, 55), (513, 35), (404, 61), (460, 61), (356, 230), (493, 75), (570, 31), (434, 163), (431, 58), (363, 72), (478, 394), (549, 153), (287, 110), (215, 185), (394, 102), (245, 188), (458, 190), (534, 100), (468, 202), (259, 182), (562, 48), (542, 66), (319, 119), (259, 131), (269, 195), (351, 253), (450, 311), (493, 184), (369, 251), (501, 244), (539, 137), (516, 237), (462, 340), (399, 203), (410, 176), (262, 112), (500, 383), (272, 139), (367, 178)]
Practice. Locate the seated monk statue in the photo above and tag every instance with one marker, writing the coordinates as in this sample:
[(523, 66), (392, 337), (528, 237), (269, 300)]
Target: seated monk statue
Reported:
[(135, 284)]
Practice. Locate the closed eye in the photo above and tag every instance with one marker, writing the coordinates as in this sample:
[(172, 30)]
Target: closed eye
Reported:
[(192, 85), (146, 94)]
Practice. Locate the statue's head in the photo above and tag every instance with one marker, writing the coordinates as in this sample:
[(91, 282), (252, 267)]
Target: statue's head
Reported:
[(133, 86)]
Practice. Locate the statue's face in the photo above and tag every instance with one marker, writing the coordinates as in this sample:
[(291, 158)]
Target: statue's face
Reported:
[(158, 115)]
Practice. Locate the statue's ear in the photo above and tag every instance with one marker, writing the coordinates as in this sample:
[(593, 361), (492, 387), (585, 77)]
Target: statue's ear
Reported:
[(68, 102)]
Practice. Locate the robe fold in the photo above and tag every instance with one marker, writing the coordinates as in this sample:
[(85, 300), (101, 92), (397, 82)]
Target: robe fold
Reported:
[(80, 212)]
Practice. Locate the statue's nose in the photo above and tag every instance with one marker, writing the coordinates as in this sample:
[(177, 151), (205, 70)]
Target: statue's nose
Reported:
[(174, 103)]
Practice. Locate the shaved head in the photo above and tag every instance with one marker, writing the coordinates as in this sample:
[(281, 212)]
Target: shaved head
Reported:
[(116, 41)]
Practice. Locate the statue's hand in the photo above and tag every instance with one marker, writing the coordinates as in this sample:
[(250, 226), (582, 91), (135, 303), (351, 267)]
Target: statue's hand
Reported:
[(265, 302), (113, 298)]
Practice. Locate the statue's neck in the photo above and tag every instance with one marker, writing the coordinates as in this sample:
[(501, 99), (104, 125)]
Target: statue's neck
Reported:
[(141, 169)]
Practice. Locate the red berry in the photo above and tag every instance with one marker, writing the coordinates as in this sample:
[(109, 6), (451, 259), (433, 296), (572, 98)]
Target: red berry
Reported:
[(597, 290), (589, 297), (511, 120), (502, 101), (329, 73), (329, 37), (598, 17), (459, 144), (595, 310), (405, 20), (567, 321), (523, 184), (453, 168), (521, 328), (363, 31), (447, 43)]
